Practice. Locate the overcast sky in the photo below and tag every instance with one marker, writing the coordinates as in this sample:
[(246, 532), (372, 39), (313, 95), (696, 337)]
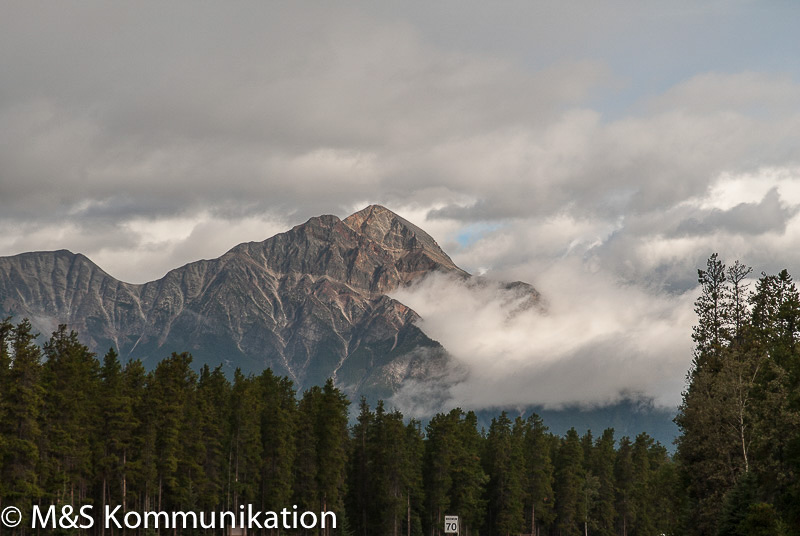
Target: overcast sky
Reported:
[(598, 150)]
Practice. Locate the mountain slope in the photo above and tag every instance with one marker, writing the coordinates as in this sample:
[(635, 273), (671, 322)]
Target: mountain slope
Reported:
[(310, 303)]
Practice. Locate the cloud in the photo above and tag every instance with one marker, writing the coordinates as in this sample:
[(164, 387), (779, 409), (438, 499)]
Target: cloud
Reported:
[(770, 214), (159, 244), (571, 353)]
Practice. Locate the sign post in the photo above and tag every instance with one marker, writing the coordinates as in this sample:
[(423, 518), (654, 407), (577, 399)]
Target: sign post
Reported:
[(451, 524)]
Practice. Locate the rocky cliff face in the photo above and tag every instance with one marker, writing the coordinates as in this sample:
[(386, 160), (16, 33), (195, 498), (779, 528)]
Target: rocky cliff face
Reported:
[(310, 303)]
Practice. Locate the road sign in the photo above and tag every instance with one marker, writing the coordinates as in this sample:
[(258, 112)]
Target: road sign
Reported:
[(451, 524)]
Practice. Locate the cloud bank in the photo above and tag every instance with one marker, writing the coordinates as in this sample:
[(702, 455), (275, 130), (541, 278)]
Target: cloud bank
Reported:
[(594, 343)]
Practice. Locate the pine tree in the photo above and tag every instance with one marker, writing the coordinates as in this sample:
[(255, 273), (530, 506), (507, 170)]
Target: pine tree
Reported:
[(415, 493), (139, 475), (168, 395), (213, 400), (332, 441), (538, 474), (6, 329), (322, 441), (278, 429), (668, 498), (306, 488), (23, 401), (360, 472), (118, 423), (71, 377), (191, 478), (623, 478), (440, 452), (468, 479), (642, 492), (570, 484), (503, 463), (391, 454), (715, 416), (247, 440), (712, 330), (601, 465)]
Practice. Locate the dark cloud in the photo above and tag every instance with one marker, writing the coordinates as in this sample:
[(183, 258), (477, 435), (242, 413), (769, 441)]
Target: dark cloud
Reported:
[(768, 215)]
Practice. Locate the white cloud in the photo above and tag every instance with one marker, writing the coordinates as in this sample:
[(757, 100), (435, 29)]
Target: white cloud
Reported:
[(597, 342)]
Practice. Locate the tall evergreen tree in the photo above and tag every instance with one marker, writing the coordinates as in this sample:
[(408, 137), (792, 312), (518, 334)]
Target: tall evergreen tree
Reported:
[(139, 475), (213, 401), (570, 484), (393, 452), (623, 484), (440, 453), (278, 424), (71, 377), (359, 505), (503, 462), (468, 478), (23, 401), (601, 464), (168, 395), (118, 424), (715, 416), (332, 442), (539, 476), (246, 440)]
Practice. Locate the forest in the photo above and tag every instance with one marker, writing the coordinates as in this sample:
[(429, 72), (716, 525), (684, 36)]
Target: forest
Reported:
[(78, 430)]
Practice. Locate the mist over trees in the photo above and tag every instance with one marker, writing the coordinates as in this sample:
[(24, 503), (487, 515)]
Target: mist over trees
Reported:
[(77, 430)]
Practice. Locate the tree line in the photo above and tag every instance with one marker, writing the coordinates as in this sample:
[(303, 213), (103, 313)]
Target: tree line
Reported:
[(75, 430), (739, 448)]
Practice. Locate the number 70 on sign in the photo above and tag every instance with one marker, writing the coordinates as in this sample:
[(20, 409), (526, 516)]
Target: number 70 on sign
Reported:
[(451, 524)]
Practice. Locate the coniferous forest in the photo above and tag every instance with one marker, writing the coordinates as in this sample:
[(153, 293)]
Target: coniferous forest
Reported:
[(77, 430)]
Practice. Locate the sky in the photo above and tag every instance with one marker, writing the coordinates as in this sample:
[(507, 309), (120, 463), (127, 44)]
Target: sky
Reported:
[(600, 151)]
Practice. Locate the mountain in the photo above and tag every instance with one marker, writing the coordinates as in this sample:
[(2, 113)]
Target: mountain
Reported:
[(310, 303)]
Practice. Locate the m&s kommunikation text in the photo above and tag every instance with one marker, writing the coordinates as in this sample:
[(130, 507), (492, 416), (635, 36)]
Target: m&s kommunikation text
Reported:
[(113, 517)]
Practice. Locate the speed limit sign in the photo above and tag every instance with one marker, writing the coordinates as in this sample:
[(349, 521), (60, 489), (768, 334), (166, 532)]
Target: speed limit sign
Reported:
[(451, 524)]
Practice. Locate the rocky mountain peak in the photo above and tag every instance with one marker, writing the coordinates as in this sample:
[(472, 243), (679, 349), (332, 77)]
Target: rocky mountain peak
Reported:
[(397, 235)]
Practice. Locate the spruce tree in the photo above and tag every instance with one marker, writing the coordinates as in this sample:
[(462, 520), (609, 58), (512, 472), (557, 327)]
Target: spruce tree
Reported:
[(278, 429), (213, 400), (601, 464), (332, 443), (468, 479), (118, 424), (6, 328), (168, 395), (360, 473), (71, 377), (570, 485), (715, 417), (623, 478), (23, 402), (440, 451), (247, 440), (538, 475), (503, 462)]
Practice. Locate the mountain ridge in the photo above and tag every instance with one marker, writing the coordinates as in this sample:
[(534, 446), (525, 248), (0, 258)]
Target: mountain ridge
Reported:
[(309, 303)]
